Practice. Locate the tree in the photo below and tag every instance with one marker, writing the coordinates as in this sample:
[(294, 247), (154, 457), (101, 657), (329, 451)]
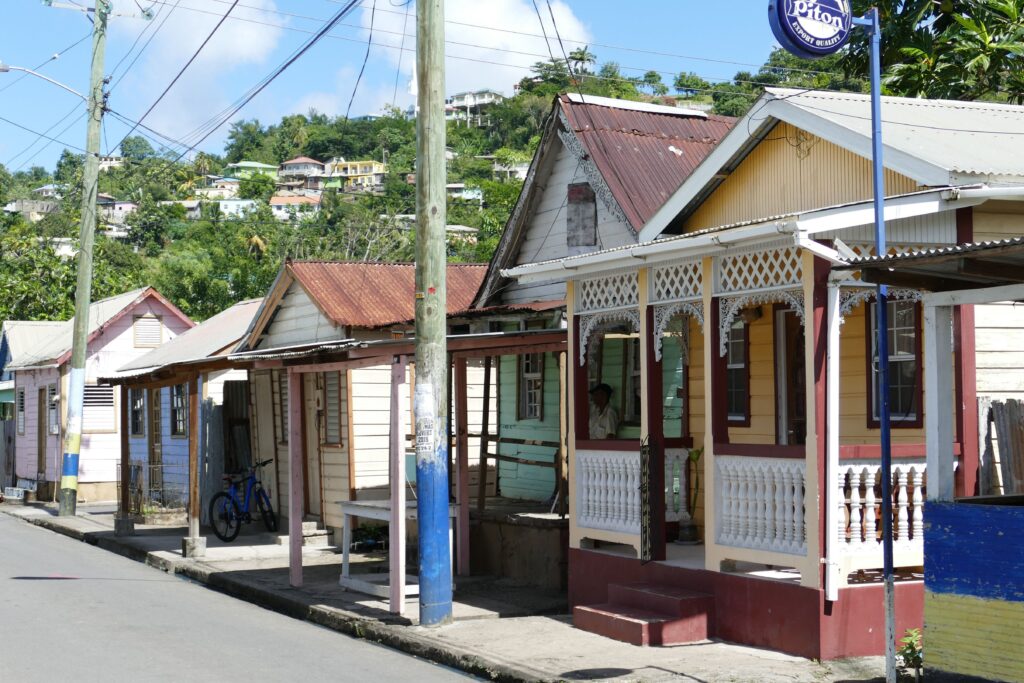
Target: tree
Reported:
[(6, 184), (258, 186), (136, 148), (690, 84), (652, 79), (245, 141), (581, 58)]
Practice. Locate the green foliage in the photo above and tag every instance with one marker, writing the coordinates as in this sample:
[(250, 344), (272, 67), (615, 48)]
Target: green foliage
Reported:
[(6, 184), (910, 653), (258, 186), (136, 148)]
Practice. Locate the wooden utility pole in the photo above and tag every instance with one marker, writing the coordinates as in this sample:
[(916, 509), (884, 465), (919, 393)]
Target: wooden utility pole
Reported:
[(83, 294), (430, 404)]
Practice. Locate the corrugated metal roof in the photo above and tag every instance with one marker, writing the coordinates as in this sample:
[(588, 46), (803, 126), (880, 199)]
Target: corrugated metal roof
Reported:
[(56, 340), (378, 294), (643, 155), (983, 138), (302, 160), (216, 336), (25, 337)]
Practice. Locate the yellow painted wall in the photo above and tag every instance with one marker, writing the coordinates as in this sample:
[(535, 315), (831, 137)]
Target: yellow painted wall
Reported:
[(853, 387), (696, 405), (791, 171), (972, 636), (761, 357), (997, 226)]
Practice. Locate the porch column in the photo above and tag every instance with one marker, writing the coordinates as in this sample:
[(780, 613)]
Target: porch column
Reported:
[(481, 486), (124, 524), (462, 466), (396, 478), (194, 545), (295, 479), (651, 422), (938, 401), (833, 325), (815, 274), (716, 426), (965, 367)]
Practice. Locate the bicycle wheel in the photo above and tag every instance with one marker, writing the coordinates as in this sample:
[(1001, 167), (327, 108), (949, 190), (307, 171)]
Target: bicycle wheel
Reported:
[(266, 511), (225, 517)]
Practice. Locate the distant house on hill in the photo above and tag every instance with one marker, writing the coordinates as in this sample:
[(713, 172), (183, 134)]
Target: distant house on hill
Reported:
[(247, 169), (286, 207), (301, 173)]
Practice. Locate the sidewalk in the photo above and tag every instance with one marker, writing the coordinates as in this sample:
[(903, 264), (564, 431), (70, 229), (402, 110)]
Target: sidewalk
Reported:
[(501, 631)]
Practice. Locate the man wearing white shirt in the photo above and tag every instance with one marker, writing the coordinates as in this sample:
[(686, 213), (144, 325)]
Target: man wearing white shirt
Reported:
[(604, 419)]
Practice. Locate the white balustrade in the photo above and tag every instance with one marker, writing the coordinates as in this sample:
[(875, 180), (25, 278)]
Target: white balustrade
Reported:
[(760, 503), (860, 519), (608, 490), (676, 485)]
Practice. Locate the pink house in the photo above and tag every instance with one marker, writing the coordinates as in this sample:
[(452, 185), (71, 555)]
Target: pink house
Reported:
[(121, 328)]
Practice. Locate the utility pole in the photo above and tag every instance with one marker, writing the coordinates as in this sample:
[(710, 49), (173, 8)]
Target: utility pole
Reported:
[(83, 294), (430, 404)]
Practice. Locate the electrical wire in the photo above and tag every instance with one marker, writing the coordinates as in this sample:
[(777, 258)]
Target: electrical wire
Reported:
[(52, 58), (149, 40), (42, 135), (401, 53), (366, 58)]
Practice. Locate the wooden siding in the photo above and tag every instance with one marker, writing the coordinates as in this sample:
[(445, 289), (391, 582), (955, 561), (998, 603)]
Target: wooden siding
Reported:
[(262, 432), (545, 233), (990, 226), (298, 321), (789, 171), (761, 365), (999, 342), (518, 480), (26, 445), (935, 228)]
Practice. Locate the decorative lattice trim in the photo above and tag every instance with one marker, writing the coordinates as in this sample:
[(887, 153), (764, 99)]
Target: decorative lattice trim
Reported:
[(677, 282), (608, 292), (663, 316), (588, 323), (594, 177), (730, 307), (850, 299), (761, 269)]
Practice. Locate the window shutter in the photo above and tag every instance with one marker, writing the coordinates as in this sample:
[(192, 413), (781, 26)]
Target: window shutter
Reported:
[(581, 219), (148, 331), (98, 408), (332, 407), (21, 411), (52, 411), (282, 390)]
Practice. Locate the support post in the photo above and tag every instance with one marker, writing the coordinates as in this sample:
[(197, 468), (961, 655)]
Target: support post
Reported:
[(938, 401), (485, 421), (296, 483), (561, 472), (194, 545), (430, 407), (462, 466), (396, 475), (124, 524), (83, 292), (833, 325)]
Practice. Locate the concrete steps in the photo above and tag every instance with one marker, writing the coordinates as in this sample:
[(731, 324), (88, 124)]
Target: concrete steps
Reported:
[(649, 614), (312, 536)]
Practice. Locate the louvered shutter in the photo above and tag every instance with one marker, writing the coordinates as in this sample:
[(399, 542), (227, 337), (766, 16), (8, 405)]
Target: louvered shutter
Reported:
[(98, 409), (148, 331), (332, 407)]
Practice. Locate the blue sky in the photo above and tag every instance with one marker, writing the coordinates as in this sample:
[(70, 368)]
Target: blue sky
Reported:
[(491, 44)]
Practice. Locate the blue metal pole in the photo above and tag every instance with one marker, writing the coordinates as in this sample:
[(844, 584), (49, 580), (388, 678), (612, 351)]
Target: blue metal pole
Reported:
[(882, 344)]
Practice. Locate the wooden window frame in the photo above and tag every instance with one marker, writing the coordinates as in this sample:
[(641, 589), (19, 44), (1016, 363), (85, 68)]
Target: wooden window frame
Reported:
[(19, 409), (134, 412), (736, 419), (522, 390), (52, 409), (341, 422), (869, 339), (179, 413), (581, 381), (135, 335), (282, 406), (656, 389), (113, 408)]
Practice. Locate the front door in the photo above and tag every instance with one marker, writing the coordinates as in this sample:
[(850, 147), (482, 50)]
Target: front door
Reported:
[(41, 426), (156, 474), (311, 443), (790, 380)]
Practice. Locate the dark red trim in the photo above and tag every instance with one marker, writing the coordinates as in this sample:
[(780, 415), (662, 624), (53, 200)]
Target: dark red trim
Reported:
[(819, 331), (918, 420), (965, 367), (578, 373), (775, 365), (608, 444), (684, 442), (874, 452), (761, 450), (656, 441)]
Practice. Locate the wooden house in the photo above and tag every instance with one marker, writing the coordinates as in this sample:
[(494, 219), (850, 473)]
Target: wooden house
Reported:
[(602, 169), (735, 325), (120, 328)]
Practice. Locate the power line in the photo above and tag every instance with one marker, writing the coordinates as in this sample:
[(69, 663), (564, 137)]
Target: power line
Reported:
[(38, 139), (366, 58), (182, 71), (53, 57), (42, 135), (149, 40), (398, 69)]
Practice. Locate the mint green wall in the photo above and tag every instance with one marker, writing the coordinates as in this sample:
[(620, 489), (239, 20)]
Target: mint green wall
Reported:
[(515, 479)]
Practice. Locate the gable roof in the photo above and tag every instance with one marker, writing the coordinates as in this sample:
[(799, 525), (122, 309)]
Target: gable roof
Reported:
[(215, 336), (635, 154), (302, 160), (55, 347), (21, 339), (938, 143), (362, 294)]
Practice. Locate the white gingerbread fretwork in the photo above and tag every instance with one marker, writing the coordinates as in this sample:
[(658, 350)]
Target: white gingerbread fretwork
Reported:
[(677, 282), (610, 291), (850, 299), (730, 307), (760, 269), (664, 314), (588, 323)]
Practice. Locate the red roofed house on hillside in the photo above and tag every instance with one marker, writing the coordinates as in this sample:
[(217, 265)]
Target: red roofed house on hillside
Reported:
[(301, 173)]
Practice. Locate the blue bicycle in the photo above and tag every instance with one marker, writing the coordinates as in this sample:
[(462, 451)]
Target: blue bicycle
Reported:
[(228, 509)]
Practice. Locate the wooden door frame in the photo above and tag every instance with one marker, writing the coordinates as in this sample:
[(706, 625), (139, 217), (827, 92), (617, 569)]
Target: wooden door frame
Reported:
[(782, 389), (154, 432), (42, 429)]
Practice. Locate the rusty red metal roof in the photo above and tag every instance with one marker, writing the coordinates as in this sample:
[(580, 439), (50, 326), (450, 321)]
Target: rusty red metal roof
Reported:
[(644, 156), (378, 294)]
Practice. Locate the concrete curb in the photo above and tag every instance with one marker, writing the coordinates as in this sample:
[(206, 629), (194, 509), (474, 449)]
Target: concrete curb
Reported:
[(396, 636)]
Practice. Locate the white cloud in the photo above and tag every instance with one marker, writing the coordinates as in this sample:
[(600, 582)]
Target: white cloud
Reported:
[(204, 88), (490, 43)]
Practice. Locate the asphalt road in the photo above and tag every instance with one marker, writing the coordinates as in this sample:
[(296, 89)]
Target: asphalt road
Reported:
[(72, 612)]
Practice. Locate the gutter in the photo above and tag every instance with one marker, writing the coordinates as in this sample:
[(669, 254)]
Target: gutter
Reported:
[(1010, 193)]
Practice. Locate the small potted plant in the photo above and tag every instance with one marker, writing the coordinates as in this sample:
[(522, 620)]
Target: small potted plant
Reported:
[(688, 534)]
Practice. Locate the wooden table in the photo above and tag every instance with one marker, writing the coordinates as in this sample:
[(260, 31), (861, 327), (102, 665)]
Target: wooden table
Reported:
[(378, 585)]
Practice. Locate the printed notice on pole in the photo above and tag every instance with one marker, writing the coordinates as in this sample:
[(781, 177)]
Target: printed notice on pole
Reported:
[(424, 408)]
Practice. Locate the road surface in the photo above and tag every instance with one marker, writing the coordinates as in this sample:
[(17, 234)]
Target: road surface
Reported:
[(72, 612)]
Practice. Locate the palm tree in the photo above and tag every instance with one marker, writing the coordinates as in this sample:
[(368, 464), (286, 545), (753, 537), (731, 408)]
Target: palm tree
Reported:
[(581, 58)]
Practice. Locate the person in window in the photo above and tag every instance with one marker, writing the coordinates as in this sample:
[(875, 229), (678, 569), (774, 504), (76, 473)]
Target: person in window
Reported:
[(604, 419)]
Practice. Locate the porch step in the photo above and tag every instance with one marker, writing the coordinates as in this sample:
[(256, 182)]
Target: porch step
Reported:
[(649, 614), (311, 536)]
